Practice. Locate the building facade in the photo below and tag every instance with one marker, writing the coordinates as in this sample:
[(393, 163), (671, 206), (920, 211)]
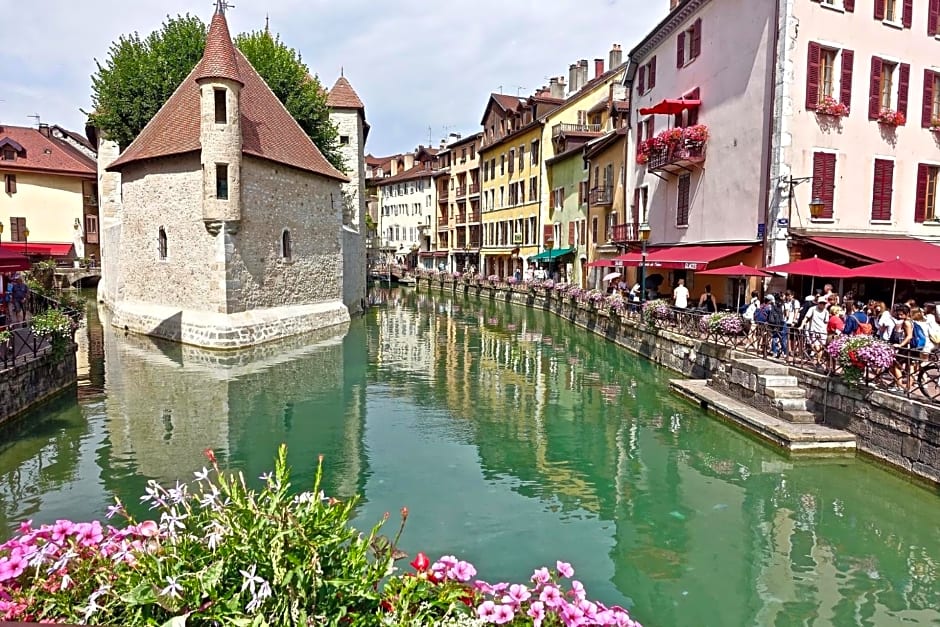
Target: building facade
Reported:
[(464, 222), (216, 236)]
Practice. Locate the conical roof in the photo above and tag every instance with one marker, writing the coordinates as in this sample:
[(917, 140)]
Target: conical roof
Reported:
[(218, 59), (343, 96)]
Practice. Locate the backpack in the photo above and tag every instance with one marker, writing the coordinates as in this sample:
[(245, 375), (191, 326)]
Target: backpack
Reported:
[(775, 316), (761, 315), (864, 328), (919, 337)]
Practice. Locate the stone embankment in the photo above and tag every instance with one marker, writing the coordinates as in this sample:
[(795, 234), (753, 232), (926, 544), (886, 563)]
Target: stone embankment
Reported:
[(800, 410)]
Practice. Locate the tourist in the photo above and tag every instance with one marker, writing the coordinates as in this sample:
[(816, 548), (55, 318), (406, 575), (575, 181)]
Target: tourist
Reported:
[(635, 293), (830, 294), (856, 321), (885, 322), (622, 286), (777, 326), (680, 295), (752, 306), (816, 327), (836, 325), (706, 301), (529, 273), (19, 292), (791, 314), (923, 328), (902, 337)]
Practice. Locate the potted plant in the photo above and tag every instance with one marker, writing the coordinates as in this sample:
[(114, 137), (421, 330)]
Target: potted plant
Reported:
[(890, 117), (832, 107), (858, 353), (723, 323)]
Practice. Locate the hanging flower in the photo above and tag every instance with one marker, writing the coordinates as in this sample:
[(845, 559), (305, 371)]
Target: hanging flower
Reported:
[(890, 117), (831, 106), (695, 135)]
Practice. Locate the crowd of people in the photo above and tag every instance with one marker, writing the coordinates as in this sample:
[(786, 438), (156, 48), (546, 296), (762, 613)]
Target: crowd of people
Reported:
[(14, 294)]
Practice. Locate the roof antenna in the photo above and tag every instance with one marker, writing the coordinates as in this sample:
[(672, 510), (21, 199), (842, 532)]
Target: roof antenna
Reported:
[(519, 89), (341, 71), (222, 5), (36, 117)]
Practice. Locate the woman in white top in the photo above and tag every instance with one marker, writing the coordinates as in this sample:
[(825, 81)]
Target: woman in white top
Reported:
[(886, 322)]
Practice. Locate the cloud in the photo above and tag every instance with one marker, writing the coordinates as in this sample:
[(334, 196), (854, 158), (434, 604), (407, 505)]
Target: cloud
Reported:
[(417, 65)]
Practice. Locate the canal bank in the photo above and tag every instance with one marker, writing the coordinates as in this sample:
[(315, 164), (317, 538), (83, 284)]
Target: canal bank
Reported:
[(901, 432)]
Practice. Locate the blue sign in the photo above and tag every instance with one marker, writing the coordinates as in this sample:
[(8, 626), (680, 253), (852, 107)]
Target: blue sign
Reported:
[(783, 222), (761, 230)]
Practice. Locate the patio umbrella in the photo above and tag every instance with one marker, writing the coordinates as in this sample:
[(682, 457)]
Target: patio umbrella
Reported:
[(896, 269), (611, 275), (739, 271), (813, 267)]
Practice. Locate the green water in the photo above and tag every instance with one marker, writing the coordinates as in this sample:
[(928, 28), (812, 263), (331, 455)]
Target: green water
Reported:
[(514, 440)]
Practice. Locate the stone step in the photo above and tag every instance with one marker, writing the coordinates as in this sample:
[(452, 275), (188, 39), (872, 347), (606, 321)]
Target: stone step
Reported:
[(798, 417), (760, 367), (777, 381), (789, 404), (786, 392)]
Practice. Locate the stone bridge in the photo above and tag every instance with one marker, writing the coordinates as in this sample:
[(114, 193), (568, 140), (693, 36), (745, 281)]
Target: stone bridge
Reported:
[(77, 277)]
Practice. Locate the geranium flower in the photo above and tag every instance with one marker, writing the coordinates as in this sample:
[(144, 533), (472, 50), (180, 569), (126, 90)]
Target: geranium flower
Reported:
[(420, 562), (487, 611), (564, 569), (541, 576)]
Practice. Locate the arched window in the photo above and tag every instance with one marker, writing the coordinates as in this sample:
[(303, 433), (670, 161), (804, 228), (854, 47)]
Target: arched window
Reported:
[(285, 244), (161, 243)]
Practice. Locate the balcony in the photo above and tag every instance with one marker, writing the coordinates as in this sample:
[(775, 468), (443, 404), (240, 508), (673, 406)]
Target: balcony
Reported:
[(561, 129), (461, 191), (675, 158), (474, 217), (474, 189), (601, 196), (442, 221), (628, 232), (462, 218), (443, 196)]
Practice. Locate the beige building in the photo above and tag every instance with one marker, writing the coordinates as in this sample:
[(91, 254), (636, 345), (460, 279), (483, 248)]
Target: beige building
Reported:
[(226, 227), (49, 205), (459, 217)]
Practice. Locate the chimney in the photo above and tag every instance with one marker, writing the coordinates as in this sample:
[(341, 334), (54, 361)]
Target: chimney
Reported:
[(394, 167), (582, 73), (616, 56), (44, 130), (409, 160), (572, 78), (598, 67), (556, 88)]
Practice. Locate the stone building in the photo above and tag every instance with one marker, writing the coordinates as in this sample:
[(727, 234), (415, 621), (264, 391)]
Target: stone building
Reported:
[(222, 223)]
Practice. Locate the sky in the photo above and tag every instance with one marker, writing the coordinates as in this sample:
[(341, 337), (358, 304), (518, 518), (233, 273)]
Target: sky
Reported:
[(423, 69)]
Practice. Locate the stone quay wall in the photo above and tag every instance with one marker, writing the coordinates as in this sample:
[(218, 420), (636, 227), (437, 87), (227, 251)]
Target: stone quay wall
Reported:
[(27, 385), (901, 432)]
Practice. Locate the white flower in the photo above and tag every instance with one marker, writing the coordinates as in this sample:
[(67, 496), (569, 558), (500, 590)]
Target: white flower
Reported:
[(66, 582), (202, 475), (178, 493), (250, 579), (172, 589)]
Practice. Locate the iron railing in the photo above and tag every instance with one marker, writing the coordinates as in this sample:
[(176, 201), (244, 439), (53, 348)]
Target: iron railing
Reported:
[(23, 345), (602, 195), (628, 232)]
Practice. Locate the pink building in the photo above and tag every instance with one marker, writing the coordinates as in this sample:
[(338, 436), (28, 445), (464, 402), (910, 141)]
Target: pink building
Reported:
[(739, 96)]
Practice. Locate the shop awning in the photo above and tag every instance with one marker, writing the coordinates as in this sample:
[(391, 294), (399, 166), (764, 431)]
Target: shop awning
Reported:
[(670, 106), (911, 249), (12, 262), (549, 255), (602, 263), (40, 249), (691, 258)]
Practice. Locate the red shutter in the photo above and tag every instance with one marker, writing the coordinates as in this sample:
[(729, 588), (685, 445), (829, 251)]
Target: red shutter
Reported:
[(882, 189), (692, 115), (571, 241), (639, 132), (696, 47), (927, 110), (907, 15), (680, 49), (920, 206), (653, 72), (849, 5), (904, 82), (824, 178), (879, 9), (933, 18), (812, 76), (845, 81), (642, 80), (548, 233), (887, 192), (874, 95)]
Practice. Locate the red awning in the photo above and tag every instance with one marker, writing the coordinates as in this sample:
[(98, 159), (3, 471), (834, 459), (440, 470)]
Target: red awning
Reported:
[(692, 258), (39, 249), (910, 249), (12, 262), (601, 263), (670, 107)]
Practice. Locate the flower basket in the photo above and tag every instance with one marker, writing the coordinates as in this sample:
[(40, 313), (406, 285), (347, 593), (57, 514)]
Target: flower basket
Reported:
[(890, 117), (656, 310), (857, 353), (616, 304), (723, 323), (832, 107), (695, 135)]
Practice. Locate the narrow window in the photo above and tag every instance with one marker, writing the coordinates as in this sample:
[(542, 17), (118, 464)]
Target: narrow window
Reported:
[(221, 107), (9, 183), (827, 65), (930, 198), (221, 181), (890, 10), (285, 245), (887, 84), (17, 227), (682, 202), (161, 243)]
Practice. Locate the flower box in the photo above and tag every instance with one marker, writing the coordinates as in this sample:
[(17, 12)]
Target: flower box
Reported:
[(832, 107), (890, 117)]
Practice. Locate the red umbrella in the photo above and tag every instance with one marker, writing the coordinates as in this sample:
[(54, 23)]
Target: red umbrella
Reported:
[(13, 262), (814, 267), (739, 270), (896, 269), (670, 106)]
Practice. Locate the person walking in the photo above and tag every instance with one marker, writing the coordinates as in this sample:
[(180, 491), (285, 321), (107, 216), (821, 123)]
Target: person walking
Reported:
[(816, 327), (680, 295), (18, 294), (706, 301)]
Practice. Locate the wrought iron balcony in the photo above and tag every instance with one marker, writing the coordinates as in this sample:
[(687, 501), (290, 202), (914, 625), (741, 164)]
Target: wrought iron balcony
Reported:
[(602, 196), (474, 216), (563, 127), (474, 189), (443, 197), (627, 232), (461, 191), (675, 158), (462, 218)]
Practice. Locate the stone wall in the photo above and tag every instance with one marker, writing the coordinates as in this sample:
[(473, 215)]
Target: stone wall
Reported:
[(895, 430), (354, 270), (25, 386), (349, 124)]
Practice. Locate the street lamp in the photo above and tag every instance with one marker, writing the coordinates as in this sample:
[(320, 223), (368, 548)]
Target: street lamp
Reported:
[(644, 236), (816, 205), (26, 242)]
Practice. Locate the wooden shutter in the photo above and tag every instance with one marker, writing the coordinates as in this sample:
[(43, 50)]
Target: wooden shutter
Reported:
[(904, 82), (635, 210), (641, 82), (571, 241), (682, 205), (10, 183), (652, 77), (845, 80), (874, 94), (696, 47), (692, 114), (824, 180), (927, 110), (920, 206), (849, 5), (680, 49), (879, 9), (907, 14), (933, 18), (882, 188), (812, 76), (548, 233)]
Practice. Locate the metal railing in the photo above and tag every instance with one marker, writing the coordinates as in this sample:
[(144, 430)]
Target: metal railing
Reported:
[(23, 345), (628, 232), (669, 155), (474, 188), (461, 191), (565, 127), (602, 195)]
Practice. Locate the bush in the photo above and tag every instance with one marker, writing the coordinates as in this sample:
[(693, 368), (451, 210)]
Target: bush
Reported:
[(723, 323)]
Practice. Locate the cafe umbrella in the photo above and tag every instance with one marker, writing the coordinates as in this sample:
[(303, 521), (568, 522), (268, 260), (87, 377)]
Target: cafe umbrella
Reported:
[(739, 271), (813, 267), (896, 269)]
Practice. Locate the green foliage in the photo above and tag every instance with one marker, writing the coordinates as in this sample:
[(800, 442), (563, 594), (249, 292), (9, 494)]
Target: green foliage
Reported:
[(4, 336), (139, 75), (57, 326), (41, 277)]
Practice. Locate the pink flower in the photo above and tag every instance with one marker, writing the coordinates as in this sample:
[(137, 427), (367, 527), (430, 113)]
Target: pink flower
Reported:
[(26, 526), (517, 594), (61, 530), (89, 534), (487, 611), (462, 571), (571, 615), (148, 528), (536, 613), (541, 576), (483, 587), (13, 566), (551, 596), (504, 614), (564, 569), (577, 590)]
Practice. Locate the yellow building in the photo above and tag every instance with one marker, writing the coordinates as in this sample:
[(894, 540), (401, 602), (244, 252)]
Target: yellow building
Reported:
[(49, 207), (511, 164)]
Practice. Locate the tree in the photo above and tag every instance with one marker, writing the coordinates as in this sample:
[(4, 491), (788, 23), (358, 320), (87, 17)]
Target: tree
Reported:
[(141, 74)]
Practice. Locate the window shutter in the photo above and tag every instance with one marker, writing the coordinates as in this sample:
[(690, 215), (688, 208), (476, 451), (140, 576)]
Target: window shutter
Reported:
[(829, 189), (845, 81), (10, 183), (652, 77), (692, 115), (904, 82), (849, 5), (879, 9), (548, 233), (680, 49), (933, 18), (812, 76), (920, 206), (882, 188), (571, 241), (682, 206), (642, 79), (874, 94), (907, 15), (927, 107), (635, 210), (696, 47)]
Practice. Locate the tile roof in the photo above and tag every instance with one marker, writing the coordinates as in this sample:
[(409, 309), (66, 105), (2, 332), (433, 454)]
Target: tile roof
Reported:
[(45, 154), (343, 96), (510, 103), (416, 172), (268, 130), (218, 60)]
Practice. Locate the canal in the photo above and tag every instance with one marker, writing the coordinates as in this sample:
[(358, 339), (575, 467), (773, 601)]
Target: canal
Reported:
[(514, 440)]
